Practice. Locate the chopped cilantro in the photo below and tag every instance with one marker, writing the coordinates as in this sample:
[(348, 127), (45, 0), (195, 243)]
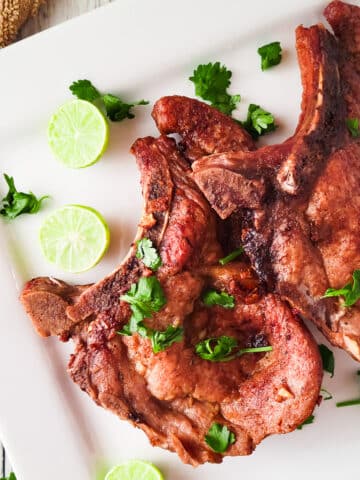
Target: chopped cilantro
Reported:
[(327, 396), (328, 359), (231, 256), (270, 55), (148, 254), (224, 349), (350, 292), (258, 121), (219, 437), (211, 83), (353, 127), (116, 109), (16, 203), (162, 340), (212, 297), (308, 421)]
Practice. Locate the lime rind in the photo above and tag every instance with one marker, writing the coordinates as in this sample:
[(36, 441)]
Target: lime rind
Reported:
[(78, 134), (135, 470), (74, 238)]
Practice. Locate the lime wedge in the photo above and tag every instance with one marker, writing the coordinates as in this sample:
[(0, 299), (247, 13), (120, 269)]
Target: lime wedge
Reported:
[(135, 470), (74, 238), (78, 134)]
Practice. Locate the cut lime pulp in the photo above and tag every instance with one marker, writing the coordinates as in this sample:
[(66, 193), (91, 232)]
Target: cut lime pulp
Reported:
[(135, 470), (74, 238), (78, 134)]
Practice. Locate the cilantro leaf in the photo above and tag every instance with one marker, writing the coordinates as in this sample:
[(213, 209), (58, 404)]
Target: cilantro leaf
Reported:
[(212, 297), (217, 349), (148, 254), (211, 82), (219, 437), (231, 256), (145, 297), (16, 203), (351, 291), (353, 127), (224, 349), (162, 340), (118, 110), (85, 90), (270, 55), (328, 359), (258, 121), (308, 421)]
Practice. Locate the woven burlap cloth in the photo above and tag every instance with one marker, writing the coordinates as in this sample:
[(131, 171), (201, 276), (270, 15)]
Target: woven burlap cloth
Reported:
[(13, 14)]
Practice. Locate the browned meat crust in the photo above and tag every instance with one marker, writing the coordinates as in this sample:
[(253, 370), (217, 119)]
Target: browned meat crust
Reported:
[(308, 240), (175, 396), (203, 129)]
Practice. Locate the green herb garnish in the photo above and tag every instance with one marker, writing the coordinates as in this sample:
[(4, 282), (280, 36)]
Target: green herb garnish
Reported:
[(147, 297), (328, 359), (258, 121), (148, 254), (16, 203), (229, 258), (270, 55), (348, 403), (351, 291), (353, 127), (10, 477), (327, 396), (309, 420), (162, 340), (224, 349), (116, 109), (212, 297), (211, 82), (219, 437)]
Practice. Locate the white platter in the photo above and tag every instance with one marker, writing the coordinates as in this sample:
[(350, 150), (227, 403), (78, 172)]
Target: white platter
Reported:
[(141, 49)]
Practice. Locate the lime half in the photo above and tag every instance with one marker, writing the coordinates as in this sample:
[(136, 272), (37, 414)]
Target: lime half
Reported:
[(74, 238), (78, 134), (135, 470)]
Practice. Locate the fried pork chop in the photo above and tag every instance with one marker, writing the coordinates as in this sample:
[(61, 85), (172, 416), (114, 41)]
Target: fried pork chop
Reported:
[(175, 396), (295, 206)]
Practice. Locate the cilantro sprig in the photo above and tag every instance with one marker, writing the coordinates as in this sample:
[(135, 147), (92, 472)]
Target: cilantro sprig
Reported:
[(211, 83), (258, 121), (270, 55), (212, 297), (116, 109), (350, 292), (353, 127), (308, 421), (229, 258), (224, 349), (148, 254), (16, 203), (219, 437), (145, 298)]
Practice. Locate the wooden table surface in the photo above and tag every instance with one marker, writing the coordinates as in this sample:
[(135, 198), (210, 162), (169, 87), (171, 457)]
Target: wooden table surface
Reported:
[(54, 12)]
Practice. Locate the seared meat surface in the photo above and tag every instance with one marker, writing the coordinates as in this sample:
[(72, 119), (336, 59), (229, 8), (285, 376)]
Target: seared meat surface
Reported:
[(299, 221), (174, 395)]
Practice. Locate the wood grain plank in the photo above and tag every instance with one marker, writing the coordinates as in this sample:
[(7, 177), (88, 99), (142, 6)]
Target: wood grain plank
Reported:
[(57, 11)]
